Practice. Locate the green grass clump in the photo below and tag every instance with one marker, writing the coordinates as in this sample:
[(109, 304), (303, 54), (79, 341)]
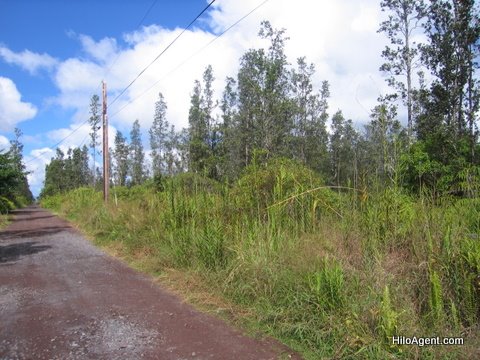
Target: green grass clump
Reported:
[(6, 205), (334, 274)]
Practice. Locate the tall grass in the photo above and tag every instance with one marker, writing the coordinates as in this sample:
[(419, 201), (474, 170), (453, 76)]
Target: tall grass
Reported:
[(333, 274)]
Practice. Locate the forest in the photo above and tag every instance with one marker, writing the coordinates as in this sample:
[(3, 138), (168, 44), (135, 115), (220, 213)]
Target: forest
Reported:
[(330, 237)]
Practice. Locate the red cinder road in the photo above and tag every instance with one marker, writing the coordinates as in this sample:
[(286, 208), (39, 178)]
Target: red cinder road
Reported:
[(62, 298)]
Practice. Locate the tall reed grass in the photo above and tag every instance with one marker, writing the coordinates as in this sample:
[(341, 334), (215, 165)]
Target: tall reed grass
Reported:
[(333, 274)]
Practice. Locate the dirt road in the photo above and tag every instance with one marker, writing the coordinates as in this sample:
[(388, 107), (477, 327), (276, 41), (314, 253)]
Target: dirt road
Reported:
[(62, 298)]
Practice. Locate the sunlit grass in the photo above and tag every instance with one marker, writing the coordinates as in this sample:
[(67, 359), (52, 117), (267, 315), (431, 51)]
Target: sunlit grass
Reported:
[(334, 275)]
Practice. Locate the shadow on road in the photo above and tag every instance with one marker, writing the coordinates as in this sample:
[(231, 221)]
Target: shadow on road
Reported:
[(14, 252), (26, 211), (31, 218), (46, 230)]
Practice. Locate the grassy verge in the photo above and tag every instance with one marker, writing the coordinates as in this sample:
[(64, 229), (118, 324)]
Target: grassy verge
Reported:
[(4, 221), (332, 275)]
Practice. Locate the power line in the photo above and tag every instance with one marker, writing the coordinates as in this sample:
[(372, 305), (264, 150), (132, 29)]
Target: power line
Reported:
[(162, 52), (147, 13), (138, 25), (96, 89), (190, 57), (65, 138)]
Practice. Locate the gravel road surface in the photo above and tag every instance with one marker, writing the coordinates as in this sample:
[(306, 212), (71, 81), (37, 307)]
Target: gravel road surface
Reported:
[(62, 298)]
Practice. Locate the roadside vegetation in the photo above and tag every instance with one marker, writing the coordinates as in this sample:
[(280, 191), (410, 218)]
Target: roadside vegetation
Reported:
[(331, 237), (334, 275)]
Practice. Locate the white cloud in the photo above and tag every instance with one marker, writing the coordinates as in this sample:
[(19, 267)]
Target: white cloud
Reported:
[(367, 20), (101, 50), (12, 109), (339, 37), (4, 143), (28, 60)]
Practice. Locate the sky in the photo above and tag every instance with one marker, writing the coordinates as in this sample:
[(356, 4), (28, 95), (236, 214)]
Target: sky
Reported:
[(54, 55)]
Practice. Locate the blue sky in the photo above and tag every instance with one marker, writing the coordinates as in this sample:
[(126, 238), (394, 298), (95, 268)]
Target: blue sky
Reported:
[(54, 54), (52, 27)]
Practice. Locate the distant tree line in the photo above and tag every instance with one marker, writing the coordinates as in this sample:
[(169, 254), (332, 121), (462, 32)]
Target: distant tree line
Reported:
[(272, 109), (14, 189)]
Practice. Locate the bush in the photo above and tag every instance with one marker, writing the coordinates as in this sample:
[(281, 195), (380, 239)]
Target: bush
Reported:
[(281, 190), (6, 205)]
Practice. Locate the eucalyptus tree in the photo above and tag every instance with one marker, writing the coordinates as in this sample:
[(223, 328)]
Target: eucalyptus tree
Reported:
[(265, 110), (343, 150), (137, 155), (202, 129), (228, 132), (94, 122), (158, 136), (197, 131), (120, 154), (451, 55), (310, 137), (402, 56)]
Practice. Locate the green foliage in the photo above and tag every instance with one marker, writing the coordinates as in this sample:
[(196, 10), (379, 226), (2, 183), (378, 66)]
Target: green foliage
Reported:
[(388, 220), (328, 286), (293, 252), (10, 175), (6, 205), (436, 303), (137, 155), (94, 121), (158, 136), (13, 177), (191, 183), (66, 173), (52, 202), (122, 161), (313, 266), (388, 317)]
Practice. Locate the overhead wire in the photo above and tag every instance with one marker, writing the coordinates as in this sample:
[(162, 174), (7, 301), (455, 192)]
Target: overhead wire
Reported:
[(61, 141), (190, 57), (136, 27), (96, 89), (161, 53)]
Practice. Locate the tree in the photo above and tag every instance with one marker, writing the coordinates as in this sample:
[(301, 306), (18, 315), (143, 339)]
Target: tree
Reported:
[(55, 177), (310, 143), (16, 150), (265, 118), (208, 104), (343, 141), (79, 164), (158, 136), (182, 142), (276, 120), (229, 164), (10, 176), (249, 79), (171, 146), (453, 30), (197, 131), (385, 142), (137, 155), (404, 18), (120, 155), (94, 122)]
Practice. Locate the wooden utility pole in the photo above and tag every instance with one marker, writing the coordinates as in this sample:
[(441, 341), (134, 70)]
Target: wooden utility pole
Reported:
[(106, 162)]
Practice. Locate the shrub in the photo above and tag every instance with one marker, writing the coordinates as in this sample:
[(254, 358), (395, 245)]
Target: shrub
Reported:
[(6, 205)]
